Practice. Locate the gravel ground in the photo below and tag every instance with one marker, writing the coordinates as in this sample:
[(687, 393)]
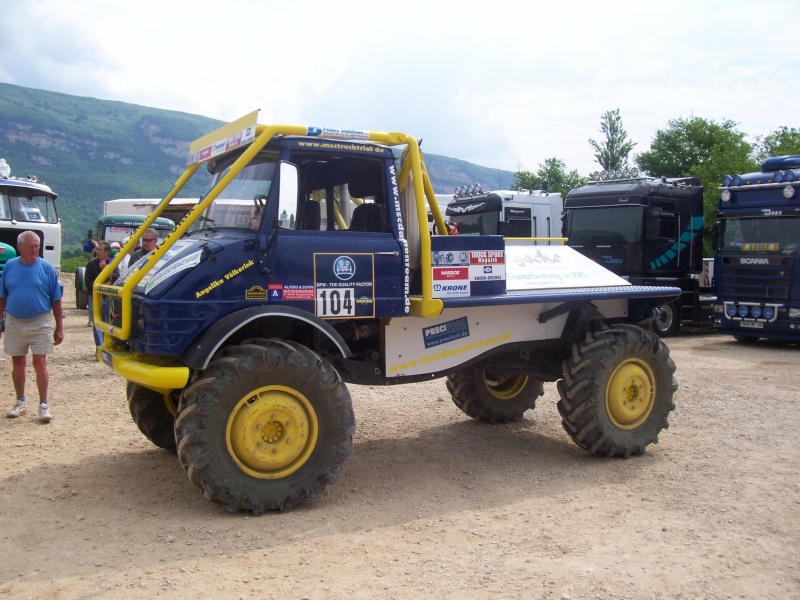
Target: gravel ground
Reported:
[(430, 503)]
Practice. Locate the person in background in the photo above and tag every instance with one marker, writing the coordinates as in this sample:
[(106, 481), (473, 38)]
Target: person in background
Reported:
[(93, 269), (123, 265), (89, 247), (149, 242), (29, 292)]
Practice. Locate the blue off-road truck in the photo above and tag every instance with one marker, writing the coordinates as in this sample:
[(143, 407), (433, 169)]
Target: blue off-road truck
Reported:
[(237, 337)]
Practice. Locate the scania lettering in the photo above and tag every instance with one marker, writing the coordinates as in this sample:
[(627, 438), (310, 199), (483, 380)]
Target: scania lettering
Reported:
[(649, 231), (237, 342), (757, 264)]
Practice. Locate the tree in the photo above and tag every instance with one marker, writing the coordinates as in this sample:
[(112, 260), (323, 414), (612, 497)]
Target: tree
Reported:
[(687, 143), (551, 176), (780, 142), (721, 160), (612, 154)]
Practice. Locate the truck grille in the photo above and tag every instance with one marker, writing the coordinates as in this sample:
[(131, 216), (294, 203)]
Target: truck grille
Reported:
[(756, 282)]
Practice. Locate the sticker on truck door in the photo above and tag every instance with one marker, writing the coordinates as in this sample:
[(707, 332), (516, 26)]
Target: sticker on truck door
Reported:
[(344, 285)]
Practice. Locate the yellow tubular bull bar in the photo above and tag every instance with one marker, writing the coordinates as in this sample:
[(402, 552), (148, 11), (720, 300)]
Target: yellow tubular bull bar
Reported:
[(143, 370)]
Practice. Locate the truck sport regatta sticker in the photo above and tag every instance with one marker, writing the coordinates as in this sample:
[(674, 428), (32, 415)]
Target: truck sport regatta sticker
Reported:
[(344, 285)]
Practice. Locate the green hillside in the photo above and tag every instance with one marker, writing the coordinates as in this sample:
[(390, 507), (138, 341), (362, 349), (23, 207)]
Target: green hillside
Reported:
[(90, 150)]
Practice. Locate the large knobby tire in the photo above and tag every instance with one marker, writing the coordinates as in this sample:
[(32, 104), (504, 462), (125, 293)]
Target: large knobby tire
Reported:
[(266, 426), (617, 391), (667, 321), (493, 397), (154, 415), (81, 293)]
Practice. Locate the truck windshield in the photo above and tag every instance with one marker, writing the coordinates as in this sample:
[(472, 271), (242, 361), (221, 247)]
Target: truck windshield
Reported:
[(767, 234), (477, 223), (241, 203), (620, 225), (33, 209)]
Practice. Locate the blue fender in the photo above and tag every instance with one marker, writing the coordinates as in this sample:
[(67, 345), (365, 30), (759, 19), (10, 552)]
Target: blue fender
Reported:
[(200, 352)]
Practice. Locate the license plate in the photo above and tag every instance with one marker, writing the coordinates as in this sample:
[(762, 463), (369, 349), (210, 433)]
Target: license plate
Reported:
[(107, 358), (752, 325)]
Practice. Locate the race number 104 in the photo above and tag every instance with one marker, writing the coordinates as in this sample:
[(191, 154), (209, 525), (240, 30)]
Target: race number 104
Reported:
[(336, 302)]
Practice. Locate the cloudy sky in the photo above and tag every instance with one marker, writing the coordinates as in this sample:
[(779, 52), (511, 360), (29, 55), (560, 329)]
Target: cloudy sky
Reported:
[(498, 83)]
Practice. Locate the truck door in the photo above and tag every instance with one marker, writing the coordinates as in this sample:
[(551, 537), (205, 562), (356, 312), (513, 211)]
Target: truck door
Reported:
[(338, 255)]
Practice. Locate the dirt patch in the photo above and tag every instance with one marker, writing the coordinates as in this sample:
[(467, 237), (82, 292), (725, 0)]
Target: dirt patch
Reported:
[(430, 503)]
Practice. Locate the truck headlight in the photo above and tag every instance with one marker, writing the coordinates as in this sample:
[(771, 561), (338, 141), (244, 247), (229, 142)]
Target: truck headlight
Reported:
[(794, 313)]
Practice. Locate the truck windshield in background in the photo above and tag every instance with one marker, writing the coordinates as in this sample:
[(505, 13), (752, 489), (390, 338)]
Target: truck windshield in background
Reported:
[(477, 223), (612, 224), (760, 233)]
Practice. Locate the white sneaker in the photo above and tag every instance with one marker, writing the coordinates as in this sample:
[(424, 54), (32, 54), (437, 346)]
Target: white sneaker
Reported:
[(20, 408), (44, 414)]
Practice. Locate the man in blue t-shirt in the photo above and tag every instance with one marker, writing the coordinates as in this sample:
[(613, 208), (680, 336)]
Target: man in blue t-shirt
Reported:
[(29, 291)]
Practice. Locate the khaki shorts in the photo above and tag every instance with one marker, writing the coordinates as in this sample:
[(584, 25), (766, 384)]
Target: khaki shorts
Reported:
[(35, 333)]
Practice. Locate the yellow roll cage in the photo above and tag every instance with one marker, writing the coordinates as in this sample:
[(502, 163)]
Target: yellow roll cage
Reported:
[(424, 306)]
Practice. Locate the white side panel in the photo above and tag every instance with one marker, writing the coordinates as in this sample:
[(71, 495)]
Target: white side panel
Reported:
[(530, 267), (415, 346)]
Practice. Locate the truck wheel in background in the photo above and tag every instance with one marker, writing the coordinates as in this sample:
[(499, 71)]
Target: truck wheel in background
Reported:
[(493, 397), (81, 293), (667, 321), (617, 391), (266, 426), (154, 415)]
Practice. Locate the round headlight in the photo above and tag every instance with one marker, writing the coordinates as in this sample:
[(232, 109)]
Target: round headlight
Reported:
[(626, 172), (789, 175), (756, 311), (726, 181), (742, 311), (778, 176), (725, 195), (731, 310), (596, 175), (634, 172), (736, 180), (603, 175), (769, 312), (788, 191)]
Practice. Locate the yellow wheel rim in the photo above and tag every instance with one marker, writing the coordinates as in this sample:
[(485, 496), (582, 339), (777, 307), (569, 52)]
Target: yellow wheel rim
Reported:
[(504, 387), (272, 432), (630, 394)]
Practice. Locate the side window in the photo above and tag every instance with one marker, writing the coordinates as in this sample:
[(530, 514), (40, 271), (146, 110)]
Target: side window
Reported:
[(668, 227), (342, 193)]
